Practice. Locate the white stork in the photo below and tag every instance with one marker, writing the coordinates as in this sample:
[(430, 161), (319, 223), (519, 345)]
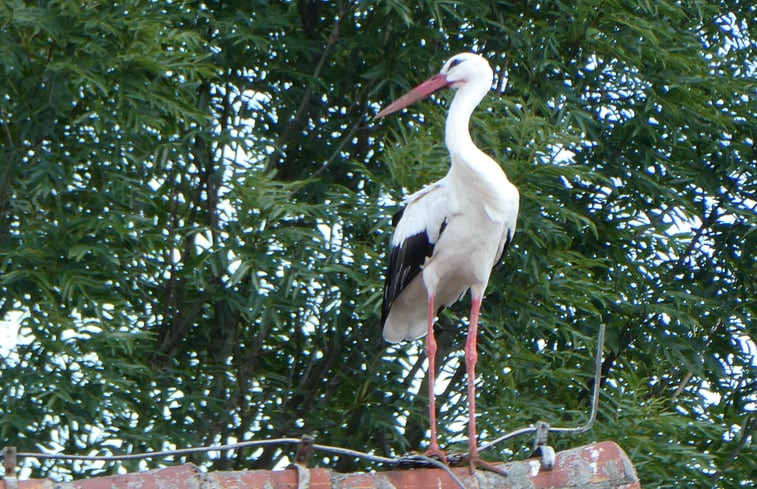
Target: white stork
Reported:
[(450, 233)]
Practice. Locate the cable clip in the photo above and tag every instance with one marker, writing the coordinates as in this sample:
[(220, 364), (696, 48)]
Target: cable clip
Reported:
[(9, 463), (301, 461), (545, 452)]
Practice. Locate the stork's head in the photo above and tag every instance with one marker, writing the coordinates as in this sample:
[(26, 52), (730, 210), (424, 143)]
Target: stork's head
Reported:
[(459, 70), (466, 67)]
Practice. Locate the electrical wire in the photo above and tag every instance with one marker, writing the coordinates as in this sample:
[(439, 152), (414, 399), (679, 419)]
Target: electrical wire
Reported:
[(247, 444), (344, 451)]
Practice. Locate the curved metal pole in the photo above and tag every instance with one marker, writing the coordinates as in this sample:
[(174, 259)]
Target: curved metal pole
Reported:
[(594, 403)]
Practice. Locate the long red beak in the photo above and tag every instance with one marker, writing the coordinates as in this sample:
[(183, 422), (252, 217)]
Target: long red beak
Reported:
[(433, 84)]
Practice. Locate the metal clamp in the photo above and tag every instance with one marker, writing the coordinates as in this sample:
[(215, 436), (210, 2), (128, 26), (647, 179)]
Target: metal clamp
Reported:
[(9, 463), (545, 452), (301, 461), (303, 450)]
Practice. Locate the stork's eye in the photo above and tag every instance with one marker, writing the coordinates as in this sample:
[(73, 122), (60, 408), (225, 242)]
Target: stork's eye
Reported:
[(455, 62)]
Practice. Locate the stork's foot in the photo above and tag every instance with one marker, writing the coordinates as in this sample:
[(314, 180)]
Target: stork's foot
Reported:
[(475, 462), (436, 453)]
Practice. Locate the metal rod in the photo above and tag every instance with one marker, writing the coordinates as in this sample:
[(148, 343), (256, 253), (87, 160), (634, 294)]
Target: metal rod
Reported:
[(594, 403), (595, 394)]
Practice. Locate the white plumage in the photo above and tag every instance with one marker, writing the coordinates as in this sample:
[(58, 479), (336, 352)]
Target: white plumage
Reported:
[(450, 233)]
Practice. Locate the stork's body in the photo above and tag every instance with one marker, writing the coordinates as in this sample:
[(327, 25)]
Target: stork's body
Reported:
[(450, 233)]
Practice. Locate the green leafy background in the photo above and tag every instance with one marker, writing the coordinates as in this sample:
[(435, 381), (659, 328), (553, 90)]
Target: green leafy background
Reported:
[(195, 211)]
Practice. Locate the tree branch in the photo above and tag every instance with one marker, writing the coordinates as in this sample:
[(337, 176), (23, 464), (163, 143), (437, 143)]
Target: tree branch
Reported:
[(296, 121)]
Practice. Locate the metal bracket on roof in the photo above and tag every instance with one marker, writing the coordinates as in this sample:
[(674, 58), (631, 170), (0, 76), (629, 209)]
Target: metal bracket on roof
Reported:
[(301, 461), (545, 452), (303, 450), (9, 463)]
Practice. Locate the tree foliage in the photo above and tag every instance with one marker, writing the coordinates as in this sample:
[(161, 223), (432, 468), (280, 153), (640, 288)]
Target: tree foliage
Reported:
[(194, 213)]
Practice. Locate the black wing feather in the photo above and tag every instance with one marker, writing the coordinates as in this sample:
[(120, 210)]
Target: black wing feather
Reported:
[(397, 216), (501, 258), (405, 263), (506, 246)]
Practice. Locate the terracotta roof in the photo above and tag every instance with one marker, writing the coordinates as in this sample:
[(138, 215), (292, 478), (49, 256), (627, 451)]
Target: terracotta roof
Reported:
[(598, 466)]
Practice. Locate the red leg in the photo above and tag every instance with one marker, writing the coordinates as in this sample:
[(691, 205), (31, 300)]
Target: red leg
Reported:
[(471, 357), (433, 449)]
